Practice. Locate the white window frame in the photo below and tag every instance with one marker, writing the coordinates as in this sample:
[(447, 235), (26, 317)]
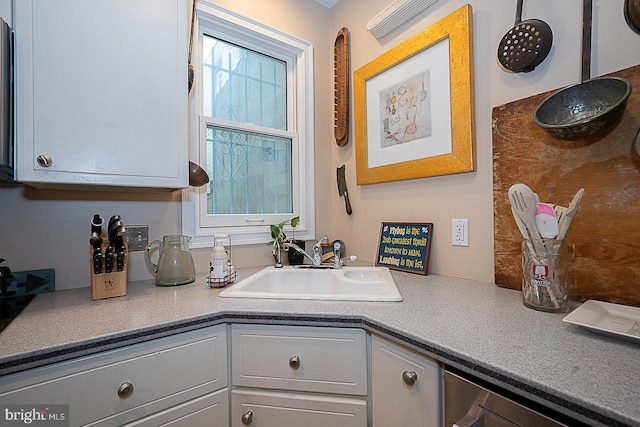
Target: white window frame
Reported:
[(219, 22)]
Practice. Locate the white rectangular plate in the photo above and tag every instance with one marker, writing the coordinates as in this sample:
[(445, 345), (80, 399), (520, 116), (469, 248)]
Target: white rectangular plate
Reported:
[(616, 320)]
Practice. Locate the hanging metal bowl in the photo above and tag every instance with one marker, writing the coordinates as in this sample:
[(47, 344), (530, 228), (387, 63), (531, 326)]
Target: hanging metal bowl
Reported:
[(589, 108), (585, 109)]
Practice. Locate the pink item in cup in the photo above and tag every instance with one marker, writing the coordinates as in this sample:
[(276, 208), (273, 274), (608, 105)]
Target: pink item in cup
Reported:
[(546, 221)]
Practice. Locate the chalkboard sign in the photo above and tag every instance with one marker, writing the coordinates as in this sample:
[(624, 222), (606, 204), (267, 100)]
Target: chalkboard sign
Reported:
[(405, 246)]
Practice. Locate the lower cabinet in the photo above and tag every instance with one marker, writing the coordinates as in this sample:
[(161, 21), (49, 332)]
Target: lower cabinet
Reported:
[(321, 375), (406, 387), (280, 376), (168, 377)]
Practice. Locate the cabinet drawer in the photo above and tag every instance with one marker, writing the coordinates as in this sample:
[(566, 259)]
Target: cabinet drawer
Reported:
[(129, 383), (273, 409), (211, 410), (406, 387), (298, 358)]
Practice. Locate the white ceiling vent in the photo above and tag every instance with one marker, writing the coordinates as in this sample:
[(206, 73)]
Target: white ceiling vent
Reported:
[(396, 14)]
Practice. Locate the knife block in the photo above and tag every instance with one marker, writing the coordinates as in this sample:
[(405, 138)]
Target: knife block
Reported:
[(108, 285)]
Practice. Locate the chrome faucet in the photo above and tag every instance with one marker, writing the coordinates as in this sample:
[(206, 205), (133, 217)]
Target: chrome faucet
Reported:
[(317, 253), (316, 258)]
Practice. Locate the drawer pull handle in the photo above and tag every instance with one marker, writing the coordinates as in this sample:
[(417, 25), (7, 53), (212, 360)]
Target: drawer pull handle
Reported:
[(294, 362), (247, 418), (44, 160), (409, 378), (125, 390)]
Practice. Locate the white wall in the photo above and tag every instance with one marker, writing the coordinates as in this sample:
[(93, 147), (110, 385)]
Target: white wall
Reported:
[(470, 195)]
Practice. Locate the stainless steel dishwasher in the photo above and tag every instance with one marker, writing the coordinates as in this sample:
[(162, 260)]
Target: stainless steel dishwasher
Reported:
[(468, 404)]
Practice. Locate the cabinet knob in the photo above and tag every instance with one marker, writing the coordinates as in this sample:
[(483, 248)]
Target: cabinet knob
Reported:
[(125, 390), (44, 160), (294, 362), (409, 378), (247, 418)]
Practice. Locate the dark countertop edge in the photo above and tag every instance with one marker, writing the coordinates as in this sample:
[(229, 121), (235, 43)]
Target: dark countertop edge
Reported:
[(488, 377)]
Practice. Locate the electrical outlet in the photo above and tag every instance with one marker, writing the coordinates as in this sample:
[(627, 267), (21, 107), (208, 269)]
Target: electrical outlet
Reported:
[(460, 232), (137, 237)]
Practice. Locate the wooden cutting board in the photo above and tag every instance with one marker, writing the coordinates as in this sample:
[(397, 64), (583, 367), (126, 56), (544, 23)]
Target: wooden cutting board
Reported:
[(604, 237)]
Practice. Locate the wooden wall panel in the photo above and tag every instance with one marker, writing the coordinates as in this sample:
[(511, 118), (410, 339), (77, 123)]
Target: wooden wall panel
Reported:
[(604, 238)]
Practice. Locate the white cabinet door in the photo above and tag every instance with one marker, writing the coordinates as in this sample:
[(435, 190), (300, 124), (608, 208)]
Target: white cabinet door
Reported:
[(272, 409), (406, 387), (101, 92)]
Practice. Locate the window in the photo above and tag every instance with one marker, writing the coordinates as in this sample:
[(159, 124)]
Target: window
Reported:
[(252, 127)]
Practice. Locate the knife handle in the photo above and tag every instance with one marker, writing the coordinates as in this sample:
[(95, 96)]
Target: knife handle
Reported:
[(120, 260), (108, 260), (347, 203), (97, 260), (96, 224)]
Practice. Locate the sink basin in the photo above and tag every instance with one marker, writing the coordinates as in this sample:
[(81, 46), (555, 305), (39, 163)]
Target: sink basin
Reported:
[(346, 284)]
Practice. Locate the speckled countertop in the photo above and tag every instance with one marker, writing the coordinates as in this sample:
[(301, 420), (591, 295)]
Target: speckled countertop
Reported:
[(475, 327)]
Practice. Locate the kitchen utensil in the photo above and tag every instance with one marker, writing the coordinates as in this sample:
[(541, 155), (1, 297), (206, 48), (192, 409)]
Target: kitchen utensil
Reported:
[(191, 71), (589, 108), (96, 224), (525, 45), (560, 211), (523, 201), (115, 230), (342, 188), (175, 263), (96, 243), (568, 215), (197, 176), (533, 292), (632, 14), (546, 221), (520, 224), (341, 87), (112, 220)]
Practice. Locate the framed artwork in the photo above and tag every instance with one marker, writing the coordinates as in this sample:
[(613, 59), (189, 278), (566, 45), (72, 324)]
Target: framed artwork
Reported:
[(414, 106)]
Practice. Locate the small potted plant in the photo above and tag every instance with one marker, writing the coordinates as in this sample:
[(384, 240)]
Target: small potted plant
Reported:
[(280, 238)]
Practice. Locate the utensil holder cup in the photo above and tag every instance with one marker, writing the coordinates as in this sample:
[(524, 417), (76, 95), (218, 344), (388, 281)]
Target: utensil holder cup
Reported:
[(545, 275)]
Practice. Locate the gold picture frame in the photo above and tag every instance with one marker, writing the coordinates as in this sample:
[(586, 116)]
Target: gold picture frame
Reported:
[(441, 140)]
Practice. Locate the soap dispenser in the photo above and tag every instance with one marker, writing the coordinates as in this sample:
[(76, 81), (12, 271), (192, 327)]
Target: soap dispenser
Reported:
[(218, 265)]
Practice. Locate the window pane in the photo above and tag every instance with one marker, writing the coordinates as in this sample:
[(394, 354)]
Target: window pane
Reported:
[(250, 173), (243, 86)]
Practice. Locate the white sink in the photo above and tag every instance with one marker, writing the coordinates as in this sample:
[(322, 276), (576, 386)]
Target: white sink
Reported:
[(349, 283)]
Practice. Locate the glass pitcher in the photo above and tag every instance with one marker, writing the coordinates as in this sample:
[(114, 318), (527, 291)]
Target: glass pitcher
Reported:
[(175, 263)]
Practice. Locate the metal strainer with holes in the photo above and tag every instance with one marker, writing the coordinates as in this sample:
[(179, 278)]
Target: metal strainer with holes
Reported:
[(525, 45)]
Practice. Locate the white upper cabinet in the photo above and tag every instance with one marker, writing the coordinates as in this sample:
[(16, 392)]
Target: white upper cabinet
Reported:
[(101, 92)]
